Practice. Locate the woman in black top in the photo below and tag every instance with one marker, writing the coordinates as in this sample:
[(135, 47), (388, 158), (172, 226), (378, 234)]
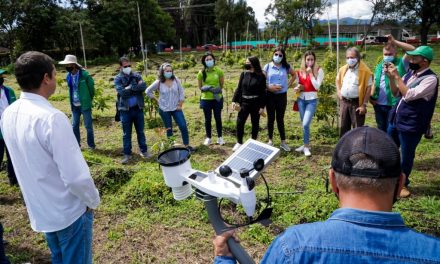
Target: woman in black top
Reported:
[(249, 98)]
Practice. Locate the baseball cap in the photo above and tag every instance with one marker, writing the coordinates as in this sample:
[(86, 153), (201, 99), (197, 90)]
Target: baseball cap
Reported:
[(424, 51), (376, 145)]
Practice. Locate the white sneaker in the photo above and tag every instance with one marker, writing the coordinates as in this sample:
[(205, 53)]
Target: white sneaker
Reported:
[(236, 146), (300, 149), (307, 152), (220, 141), (285, 147), (207, 142), (270, 143)]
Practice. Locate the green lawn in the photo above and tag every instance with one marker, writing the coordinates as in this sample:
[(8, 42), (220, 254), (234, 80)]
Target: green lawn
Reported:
[(138, 220)]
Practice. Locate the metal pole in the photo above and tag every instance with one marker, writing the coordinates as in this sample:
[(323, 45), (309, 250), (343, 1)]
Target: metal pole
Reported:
[(141, 39), (329, 34), (337, 57), (219, 226), (180, 49), (247, 33), (83, 48), (226, 38)]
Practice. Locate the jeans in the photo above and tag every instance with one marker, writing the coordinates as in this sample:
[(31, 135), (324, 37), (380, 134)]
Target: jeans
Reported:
[(246, 110), (3, 258), (276, 108), (208, 107), (381, 113), (135, 116), (87, 116), (11, 172), (179, 118), (307, 110), (408, 143), (73, 244)]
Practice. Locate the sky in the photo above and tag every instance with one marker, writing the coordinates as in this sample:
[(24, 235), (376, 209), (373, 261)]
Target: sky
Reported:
[(346, 9)]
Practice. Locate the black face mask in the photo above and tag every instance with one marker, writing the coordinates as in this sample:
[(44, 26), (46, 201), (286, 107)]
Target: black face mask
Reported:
[(414, 66), (1, 81), (69, 69), (247, 66)]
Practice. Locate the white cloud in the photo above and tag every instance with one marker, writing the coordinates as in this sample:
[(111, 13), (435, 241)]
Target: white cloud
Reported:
[(358, 9)]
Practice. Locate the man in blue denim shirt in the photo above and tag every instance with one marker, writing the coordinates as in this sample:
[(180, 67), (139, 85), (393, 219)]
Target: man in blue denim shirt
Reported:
[(366, 178), (131, 88)]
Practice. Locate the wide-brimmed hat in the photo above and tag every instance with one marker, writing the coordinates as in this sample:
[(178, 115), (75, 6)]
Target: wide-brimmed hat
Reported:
[(69, 59)]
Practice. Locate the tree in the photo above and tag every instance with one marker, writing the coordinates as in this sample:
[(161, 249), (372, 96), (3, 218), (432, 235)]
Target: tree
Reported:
[(293, 15), (237, 14), (425, 12)]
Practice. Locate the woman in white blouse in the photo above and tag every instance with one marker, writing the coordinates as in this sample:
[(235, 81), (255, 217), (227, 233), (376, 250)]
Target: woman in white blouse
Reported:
[(310, 78), (171, 97)]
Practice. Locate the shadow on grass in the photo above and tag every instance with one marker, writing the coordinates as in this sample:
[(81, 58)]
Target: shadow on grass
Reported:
[(432, 164), (11, 200), (26, 254), (426, 190)]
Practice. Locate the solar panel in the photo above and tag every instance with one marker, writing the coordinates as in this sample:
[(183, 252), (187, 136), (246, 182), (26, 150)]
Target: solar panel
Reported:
[(245, 156)]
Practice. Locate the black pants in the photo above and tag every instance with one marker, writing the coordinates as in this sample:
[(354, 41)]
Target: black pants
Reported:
[(11, 172), (276, 107), (253, 109)]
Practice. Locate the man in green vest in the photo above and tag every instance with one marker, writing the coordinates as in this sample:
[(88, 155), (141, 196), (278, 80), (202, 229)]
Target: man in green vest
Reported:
[(81, 93), (381, 97), (7, 97)]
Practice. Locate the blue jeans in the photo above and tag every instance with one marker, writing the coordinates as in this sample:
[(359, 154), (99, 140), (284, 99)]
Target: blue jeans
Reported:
[(408, 143), (307, 110), (135, 116), (381, 113), (179, 118), (3, 258), (73, 244), (87, 116), (208, 107)]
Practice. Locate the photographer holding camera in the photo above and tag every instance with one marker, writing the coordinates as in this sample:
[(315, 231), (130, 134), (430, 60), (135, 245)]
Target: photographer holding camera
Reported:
[(381, 96)]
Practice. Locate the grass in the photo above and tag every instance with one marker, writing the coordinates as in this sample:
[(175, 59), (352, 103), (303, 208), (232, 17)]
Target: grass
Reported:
[(138, 220)]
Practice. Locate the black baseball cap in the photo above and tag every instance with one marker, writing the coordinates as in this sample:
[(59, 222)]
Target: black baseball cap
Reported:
[(375, 144)]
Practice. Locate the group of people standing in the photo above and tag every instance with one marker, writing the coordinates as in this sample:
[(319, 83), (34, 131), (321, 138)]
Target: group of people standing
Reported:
[(403, 91)]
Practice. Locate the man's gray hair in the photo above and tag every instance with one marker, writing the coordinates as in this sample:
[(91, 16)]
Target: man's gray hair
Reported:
[(356, 51), (365, 184)]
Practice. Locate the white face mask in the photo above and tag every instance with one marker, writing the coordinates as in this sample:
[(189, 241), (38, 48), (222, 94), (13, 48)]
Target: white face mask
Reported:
[(126, 70), (388, 58), (352, 62)]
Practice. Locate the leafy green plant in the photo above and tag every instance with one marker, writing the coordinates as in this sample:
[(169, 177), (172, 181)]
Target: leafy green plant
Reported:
[(327, 102)]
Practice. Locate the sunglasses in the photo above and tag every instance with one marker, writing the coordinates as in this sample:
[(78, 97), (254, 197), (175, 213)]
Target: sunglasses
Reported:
[(278, 55), (126, 66)]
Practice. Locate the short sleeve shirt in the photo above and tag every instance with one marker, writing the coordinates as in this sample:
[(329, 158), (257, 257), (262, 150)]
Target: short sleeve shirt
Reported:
[(212, 79)]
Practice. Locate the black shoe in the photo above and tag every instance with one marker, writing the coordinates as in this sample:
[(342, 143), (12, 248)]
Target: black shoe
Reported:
[(191, 149), (428, 134)]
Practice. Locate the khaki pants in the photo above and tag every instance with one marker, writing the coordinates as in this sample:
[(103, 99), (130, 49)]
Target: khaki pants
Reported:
[(349, 118)]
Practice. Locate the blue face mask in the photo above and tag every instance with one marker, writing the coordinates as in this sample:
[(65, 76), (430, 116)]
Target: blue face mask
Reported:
[(209, 63), (277, 59), (388, 58), (167, 75)]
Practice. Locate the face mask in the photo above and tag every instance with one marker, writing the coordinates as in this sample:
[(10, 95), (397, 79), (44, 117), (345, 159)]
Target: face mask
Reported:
[(209, 63), (167, 75), (126, 70), (388, 58), (277, 59), (309, 64), (247, 66), (414, 66), (2, 80), (351, 62), (69, 69)]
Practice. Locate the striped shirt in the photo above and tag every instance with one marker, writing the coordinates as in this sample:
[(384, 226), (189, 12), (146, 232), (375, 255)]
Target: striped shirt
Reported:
[(169, 97)]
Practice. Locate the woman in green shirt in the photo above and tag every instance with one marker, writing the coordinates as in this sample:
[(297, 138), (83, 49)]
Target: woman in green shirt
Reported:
[(211, 81)]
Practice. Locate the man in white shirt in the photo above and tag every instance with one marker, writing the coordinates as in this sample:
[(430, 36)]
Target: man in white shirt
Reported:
[(353, 84), (53, 176)]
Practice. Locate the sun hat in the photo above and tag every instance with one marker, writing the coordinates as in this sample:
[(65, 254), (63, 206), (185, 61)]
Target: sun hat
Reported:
[(69, 59)]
